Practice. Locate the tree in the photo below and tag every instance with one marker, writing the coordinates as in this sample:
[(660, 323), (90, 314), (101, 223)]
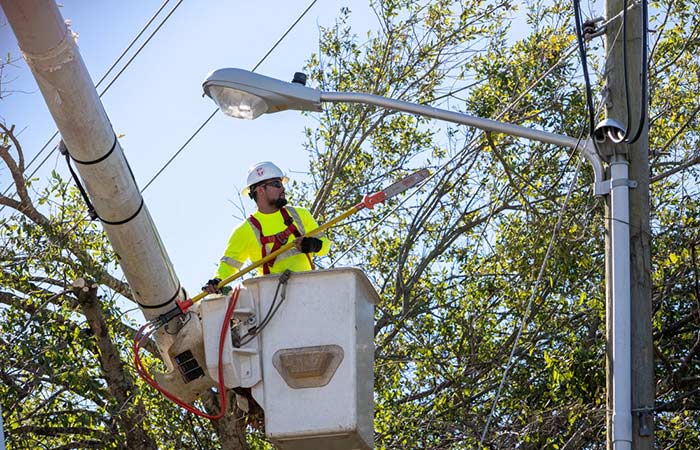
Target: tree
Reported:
[(457, 264), (66, 367)]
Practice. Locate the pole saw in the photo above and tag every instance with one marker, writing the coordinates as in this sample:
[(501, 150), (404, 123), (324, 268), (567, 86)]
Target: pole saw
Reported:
[(367, 202)]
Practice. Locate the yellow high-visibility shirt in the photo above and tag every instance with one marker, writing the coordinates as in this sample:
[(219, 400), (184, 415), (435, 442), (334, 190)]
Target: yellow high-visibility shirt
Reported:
[(243, 244)]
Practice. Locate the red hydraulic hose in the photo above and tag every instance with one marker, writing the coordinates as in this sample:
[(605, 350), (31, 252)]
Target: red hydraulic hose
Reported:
[(141, 337)]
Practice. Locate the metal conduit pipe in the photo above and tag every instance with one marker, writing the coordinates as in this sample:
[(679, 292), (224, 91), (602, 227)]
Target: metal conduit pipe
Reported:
[(52, 54), (621, 332)]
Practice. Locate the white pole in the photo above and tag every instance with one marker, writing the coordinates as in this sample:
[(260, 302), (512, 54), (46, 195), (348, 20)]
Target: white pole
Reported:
[(2, 433), (621, 341)]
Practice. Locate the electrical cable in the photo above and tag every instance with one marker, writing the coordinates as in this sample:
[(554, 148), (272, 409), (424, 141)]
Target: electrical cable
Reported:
[(208, 119), (584, 67), (152, 326), (271, 311), (625, 74), (133, 41), (182, 147), (148, 39), (644, 72), (624, 137)]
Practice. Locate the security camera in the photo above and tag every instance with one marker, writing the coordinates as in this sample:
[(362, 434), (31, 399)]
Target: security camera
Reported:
[(609, 129)]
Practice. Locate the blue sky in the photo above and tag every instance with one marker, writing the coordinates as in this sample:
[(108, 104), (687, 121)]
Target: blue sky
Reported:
[(157, 104)]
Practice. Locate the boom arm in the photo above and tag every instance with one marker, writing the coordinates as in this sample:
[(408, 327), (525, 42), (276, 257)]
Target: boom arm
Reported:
[(52, 55)]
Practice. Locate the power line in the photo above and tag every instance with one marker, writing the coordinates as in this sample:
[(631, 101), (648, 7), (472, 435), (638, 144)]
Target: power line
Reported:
[(133, 41), (533, 293), (148, 39), (116, 62), (208, 119), (175, 155)]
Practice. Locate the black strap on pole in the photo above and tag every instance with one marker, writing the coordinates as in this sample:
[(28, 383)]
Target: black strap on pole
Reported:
[(91, 209)]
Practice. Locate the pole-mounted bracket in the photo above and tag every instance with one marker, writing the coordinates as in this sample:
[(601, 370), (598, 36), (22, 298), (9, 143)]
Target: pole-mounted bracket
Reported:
[(646, 420), (591, 28), (600, 185)]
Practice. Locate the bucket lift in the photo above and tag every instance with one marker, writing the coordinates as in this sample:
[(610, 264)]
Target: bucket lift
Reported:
[(310, 367)]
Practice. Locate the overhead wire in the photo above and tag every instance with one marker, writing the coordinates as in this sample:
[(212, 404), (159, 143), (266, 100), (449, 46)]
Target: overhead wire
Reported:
[(116, 62), (211, 116), (533, 294), (148, 39)]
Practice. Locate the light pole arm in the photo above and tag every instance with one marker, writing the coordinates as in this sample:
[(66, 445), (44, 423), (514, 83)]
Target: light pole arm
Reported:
[(586, 146)]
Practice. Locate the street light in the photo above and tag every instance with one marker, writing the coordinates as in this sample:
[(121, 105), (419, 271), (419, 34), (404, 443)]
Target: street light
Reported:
[(243, 94), (246, 95)]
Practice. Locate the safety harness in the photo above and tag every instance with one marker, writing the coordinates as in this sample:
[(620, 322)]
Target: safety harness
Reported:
[(279, 239)]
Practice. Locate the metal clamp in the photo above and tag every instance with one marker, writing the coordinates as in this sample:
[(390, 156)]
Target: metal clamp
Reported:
[(604, 187)]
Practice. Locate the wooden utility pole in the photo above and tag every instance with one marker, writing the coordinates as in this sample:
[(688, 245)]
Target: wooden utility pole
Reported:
[(642, 357)]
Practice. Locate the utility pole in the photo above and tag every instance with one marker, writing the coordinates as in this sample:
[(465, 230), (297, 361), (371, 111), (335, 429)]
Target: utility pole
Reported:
[(642, 354)]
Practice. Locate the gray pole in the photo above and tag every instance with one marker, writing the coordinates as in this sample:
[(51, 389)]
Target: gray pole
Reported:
[(642, 356), (2, 433)]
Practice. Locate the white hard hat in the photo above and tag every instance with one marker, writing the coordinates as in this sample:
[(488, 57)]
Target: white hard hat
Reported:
[(263, 171)]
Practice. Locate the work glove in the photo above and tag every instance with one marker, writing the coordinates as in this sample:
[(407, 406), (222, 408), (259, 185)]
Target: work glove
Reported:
[(211, 286), (310, 245)]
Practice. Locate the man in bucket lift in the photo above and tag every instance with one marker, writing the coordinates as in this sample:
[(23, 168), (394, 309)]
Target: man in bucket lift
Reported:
[(269, 228)]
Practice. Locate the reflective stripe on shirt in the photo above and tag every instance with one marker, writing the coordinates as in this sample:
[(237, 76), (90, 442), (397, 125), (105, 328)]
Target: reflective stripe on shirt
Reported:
[(231, 262)]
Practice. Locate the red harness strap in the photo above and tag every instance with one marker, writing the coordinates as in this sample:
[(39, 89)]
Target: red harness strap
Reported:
[(277, 240)]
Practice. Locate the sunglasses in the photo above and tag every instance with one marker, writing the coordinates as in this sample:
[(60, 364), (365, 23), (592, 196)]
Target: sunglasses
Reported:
[(278, 184)]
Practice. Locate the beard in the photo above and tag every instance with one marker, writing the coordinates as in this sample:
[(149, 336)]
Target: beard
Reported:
[(280, 202)]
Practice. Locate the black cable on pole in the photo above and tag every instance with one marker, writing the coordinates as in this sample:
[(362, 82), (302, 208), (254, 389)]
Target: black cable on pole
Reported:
[(584, 67), (624, 70), (645, 74)]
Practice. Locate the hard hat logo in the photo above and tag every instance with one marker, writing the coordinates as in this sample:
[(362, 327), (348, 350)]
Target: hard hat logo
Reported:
[(263, 171)]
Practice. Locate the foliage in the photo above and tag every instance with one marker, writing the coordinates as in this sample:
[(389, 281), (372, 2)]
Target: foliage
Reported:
[(456, 264), (67, 380)]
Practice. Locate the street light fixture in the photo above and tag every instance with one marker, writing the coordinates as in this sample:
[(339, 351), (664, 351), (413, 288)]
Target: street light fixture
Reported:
[(246, 95), (243, 94)]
